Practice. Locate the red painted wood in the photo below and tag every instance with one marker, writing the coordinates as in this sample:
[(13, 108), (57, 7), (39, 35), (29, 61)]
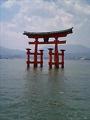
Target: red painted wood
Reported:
[(35, 54), (56, 57), (32, 62), (50, 57), (53, 63), (48, 35), (28, 57), (62, 61), (41, 55), (50, 42), (55, 53)]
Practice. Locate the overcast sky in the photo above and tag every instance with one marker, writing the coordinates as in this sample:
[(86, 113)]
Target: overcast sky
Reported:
[(17, 16)]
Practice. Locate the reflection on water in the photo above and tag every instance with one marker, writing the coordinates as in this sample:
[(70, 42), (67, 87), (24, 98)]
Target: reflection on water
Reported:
[(43, 94)]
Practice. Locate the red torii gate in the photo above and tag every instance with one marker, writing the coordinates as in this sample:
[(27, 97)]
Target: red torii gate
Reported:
[(46, 36)]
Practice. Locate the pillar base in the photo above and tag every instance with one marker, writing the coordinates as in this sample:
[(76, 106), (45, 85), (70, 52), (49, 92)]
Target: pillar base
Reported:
[(57, 66), (35, 65)]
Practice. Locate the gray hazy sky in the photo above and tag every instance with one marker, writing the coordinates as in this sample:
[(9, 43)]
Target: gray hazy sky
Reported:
[(17, 16)]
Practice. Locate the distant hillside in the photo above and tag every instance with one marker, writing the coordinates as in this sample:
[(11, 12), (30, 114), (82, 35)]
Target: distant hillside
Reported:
[(72, 52), (11, 53), (76, 52)]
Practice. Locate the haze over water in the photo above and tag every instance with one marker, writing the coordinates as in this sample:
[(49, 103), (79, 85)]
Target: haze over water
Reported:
[(43, 94)]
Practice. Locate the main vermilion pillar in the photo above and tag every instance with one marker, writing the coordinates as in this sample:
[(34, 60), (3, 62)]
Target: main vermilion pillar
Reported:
[(56, 57), (35, 52)]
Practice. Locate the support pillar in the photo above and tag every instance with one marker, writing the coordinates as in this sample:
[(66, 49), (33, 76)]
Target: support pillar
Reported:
[(41, 58), (62, 58), (28, 57), (56, 57), (35, 52), (50, 58)]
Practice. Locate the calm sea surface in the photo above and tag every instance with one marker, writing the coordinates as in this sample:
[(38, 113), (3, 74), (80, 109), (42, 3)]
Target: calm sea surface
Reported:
[(43, 94)]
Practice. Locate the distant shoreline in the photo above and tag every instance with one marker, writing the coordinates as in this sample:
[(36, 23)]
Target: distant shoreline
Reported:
[(47, 58)]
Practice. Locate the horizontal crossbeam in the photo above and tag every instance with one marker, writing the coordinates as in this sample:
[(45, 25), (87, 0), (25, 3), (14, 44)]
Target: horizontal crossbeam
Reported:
[(32, 62), (53, 63), (50, 42)]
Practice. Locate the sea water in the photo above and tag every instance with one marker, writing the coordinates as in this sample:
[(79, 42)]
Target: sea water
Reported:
[(44, 94)]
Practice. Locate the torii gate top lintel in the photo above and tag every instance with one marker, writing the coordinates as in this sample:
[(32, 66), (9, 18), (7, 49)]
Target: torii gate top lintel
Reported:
[(54, 34)]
